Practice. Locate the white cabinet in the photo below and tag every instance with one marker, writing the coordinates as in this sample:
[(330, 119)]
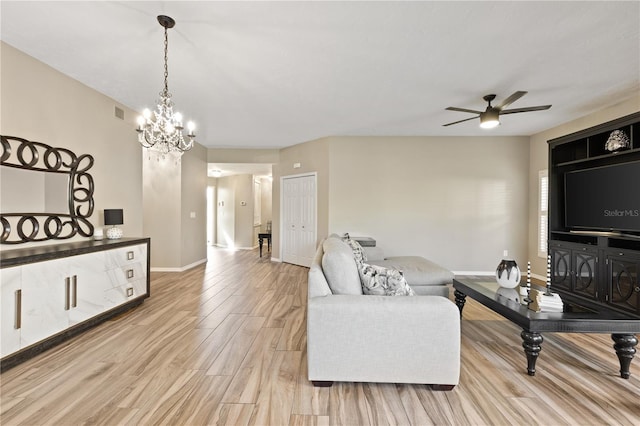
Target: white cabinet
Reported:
[(10, 301), (43, 298), (60, 293), (128, 274)]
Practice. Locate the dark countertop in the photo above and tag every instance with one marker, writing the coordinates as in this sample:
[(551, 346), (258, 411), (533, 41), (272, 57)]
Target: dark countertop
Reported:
[(23, 256)]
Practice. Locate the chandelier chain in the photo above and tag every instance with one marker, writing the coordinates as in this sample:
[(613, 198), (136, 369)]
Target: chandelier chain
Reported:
[(166, 62), (161, 130)]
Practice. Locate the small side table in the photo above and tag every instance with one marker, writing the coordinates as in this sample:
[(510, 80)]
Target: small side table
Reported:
[(365, 241), (261, 238)]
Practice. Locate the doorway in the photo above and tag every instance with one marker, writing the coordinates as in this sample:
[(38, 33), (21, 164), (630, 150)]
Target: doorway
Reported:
[(240, 206), (299, 216)]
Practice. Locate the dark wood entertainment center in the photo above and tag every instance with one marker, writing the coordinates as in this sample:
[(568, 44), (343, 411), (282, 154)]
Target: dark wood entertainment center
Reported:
[(595, 269)]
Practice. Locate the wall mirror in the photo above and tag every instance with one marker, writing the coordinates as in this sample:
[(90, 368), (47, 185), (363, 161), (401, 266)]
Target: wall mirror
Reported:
[(47, 192)]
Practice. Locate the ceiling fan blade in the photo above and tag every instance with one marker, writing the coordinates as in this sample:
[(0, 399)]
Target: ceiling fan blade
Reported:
[(460, 121), (472, 111), (526, 109), (511, 99)]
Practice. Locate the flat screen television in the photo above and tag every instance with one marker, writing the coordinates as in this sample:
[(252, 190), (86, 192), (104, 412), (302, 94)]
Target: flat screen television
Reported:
[(603, 198)]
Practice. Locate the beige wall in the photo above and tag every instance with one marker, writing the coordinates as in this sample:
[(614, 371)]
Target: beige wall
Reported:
[(162, 211), (226, 212), (194, 202), (212, 210), (235, 221), (459, 201), (538, 153), (42, 104), (266, 202), (173, 190), (244, 212)]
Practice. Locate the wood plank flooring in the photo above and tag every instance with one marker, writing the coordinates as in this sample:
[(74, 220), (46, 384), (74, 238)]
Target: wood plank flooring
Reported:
[(224, 343)]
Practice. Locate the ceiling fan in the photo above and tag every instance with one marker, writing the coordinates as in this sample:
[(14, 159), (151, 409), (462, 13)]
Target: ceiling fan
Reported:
[(489, 118)]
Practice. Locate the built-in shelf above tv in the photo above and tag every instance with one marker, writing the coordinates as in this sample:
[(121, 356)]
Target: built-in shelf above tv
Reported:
[(594, 215)]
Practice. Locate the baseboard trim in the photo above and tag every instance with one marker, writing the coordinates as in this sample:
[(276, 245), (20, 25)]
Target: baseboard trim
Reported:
[(493, 273), (474, 272), (275, 259), (236, 248), (536, 276), (184, 268)]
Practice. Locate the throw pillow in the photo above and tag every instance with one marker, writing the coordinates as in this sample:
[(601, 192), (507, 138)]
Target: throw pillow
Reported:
[(358, 252), (381, 281)]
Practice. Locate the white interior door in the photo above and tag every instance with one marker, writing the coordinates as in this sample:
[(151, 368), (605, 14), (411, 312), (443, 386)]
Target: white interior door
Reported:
[(299, 219)]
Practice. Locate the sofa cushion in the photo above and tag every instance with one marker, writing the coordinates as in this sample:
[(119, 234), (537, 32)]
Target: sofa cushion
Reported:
[(381, 281), (340, 268), (418, 270)]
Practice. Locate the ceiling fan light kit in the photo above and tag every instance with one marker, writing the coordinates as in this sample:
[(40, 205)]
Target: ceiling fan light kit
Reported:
[(490, 117)]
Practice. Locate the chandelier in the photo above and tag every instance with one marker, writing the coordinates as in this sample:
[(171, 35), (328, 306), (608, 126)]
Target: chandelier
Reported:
[(161, 130)]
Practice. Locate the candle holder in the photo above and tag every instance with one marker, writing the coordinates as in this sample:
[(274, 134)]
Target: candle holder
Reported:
[(548, 292), (528, 298)]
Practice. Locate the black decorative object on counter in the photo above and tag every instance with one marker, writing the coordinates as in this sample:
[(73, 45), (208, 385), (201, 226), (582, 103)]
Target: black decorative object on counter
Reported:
[(113, 217)]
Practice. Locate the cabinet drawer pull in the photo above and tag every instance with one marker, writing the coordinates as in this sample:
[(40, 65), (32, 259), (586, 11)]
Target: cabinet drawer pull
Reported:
[(74, 294), (129, 273), (130, 255), (67, 290), (129, 292), (18, 319)]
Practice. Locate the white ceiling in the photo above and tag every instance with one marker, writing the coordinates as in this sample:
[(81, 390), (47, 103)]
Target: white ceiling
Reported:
[(273, 74)]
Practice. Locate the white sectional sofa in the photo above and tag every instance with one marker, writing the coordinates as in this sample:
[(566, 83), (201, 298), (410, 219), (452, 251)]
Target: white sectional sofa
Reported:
[(353, 337)]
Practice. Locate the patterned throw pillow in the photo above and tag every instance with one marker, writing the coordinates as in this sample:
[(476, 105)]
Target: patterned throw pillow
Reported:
[(381, 281), (358, 252)]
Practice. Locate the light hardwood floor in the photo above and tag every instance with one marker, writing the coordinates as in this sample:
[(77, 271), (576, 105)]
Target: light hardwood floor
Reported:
[(225, 344)]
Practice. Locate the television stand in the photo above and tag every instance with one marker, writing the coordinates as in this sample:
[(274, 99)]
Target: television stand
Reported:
[(597, 269)]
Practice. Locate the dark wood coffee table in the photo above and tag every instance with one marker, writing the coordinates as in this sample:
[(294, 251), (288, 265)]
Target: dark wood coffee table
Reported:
[(485, 291)]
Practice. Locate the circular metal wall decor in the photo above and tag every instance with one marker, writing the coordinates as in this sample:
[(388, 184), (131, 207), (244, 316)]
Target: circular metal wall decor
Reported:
[(23, 227)]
